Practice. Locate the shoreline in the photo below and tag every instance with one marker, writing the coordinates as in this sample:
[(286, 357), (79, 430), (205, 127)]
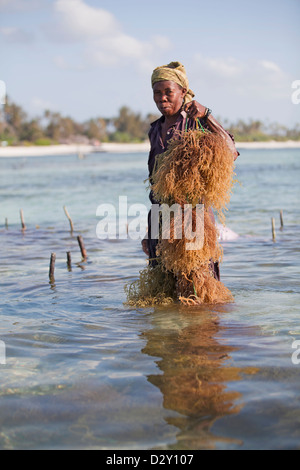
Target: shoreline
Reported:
[(81, 150)]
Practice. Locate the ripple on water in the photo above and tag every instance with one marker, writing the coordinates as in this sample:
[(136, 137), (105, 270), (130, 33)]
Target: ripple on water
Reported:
[(84, 371)]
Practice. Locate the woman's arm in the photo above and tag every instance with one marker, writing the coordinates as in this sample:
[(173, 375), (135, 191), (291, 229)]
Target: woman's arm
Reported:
[(145, 246)]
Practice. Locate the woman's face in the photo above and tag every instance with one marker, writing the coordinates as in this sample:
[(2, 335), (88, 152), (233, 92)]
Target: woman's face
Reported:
[(168, 97)]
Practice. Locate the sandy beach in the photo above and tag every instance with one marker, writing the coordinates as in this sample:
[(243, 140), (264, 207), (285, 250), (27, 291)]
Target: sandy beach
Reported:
[(81, 150)]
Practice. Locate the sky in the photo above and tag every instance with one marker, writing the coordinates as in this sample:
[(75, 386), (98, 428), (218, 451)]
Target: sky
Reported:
[(88, 58)]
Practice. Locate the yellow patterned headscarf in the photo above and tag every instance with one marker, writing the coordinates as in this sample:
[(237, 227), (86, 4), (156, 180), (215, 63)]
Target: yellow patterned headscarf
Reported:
[(174, 72)]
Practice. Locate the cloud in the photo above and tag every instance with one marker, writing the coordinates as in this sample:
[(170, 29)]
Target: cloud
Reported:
[(271, 81), (2, 92), (240, 87), (225, 68), (101, 36), (83, 22), (218, 68), (61, 63), (271, 66), (41, 104), (162, 42), (16, 35), (256, 79)]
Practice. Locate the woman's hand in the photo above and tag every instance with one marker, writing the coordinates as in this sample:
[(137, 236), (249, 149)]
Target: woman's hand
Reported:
[(145, 246), (195, 110)]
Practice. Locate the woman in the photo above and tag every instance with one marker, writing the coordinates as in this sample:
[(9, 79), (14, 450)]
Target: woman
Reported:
[(174, 100)]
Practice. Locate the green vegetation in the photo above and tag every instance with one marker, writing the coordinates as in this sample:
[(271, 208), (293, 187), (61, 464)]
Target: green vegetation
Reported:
[(16, 128), (257, 131)]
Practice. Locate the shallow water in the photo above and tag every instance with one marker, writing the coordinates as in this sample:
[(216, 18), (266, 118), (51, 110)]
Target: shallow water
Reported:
[(84, 371)]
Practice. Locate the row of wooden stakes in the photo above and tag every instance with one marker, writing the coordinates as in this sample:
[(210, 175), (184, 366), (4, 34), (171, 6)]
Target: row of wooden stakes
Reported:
[(82, 247), (69, 261), (53, 255), (23, 225), (273, 225)]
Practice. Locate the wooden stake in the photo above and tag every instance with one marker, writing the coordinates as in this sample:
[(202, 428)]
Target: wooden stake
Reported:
[(69, 218), (52, 267), (22, 219), (69, 261), (281, 220), (82, 248), (6, 223), (273, 229)]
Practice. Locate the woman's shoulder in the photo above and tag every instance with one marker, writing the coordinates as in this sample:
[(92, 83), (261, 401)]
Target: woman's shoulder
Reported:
[(156, 122), (154, 126)]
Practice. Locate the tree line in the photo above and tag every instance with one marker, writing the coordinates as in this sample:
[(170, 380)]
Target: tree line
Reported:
[(16, 128), (258, 131), (53, 128)]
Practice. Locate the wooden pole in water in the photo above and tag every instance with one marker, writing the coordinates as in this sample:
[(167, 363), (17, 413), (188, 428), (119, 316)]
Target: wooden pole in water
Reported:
[(273, 229), (281, 220), (69, 218), (82, 248), (22, 219), (69, 262), (6, 223), (52, 267)]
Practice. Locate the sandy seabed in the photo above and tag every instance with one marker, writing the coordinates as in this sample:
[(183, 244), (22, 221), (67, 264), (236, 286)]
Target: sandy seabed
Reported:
[(81, 150)]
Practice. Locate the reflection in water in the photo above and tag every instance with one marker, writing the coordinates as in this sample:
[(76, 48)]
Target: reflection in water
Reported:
[(195, 368)]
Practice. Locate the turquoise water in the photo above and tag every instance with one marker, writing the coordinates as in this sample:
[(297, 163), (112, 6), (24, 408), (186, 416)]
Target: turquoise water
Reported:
[(83, 371)]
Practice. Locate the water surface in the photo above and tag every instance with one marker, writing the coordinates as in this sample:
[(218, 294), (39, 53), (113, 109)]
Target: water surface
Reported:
[(84, 371)]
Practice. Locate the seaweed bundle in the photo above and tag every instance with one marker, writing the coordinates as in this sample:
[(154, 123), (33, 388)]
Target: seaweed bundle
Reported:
[(196, 169), (155, 286)]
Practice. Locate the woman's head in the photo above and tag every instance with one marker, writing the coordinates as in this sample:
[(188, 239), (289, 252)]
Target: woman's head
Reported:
[(170, 87), (169, 97)]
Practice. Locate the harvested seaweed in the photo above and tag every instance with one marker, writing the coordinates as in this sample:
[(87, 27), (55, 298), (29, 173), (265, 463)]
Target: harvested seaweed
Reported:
[(202, 288), (155, 286), (197, 168), (177, 259)]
